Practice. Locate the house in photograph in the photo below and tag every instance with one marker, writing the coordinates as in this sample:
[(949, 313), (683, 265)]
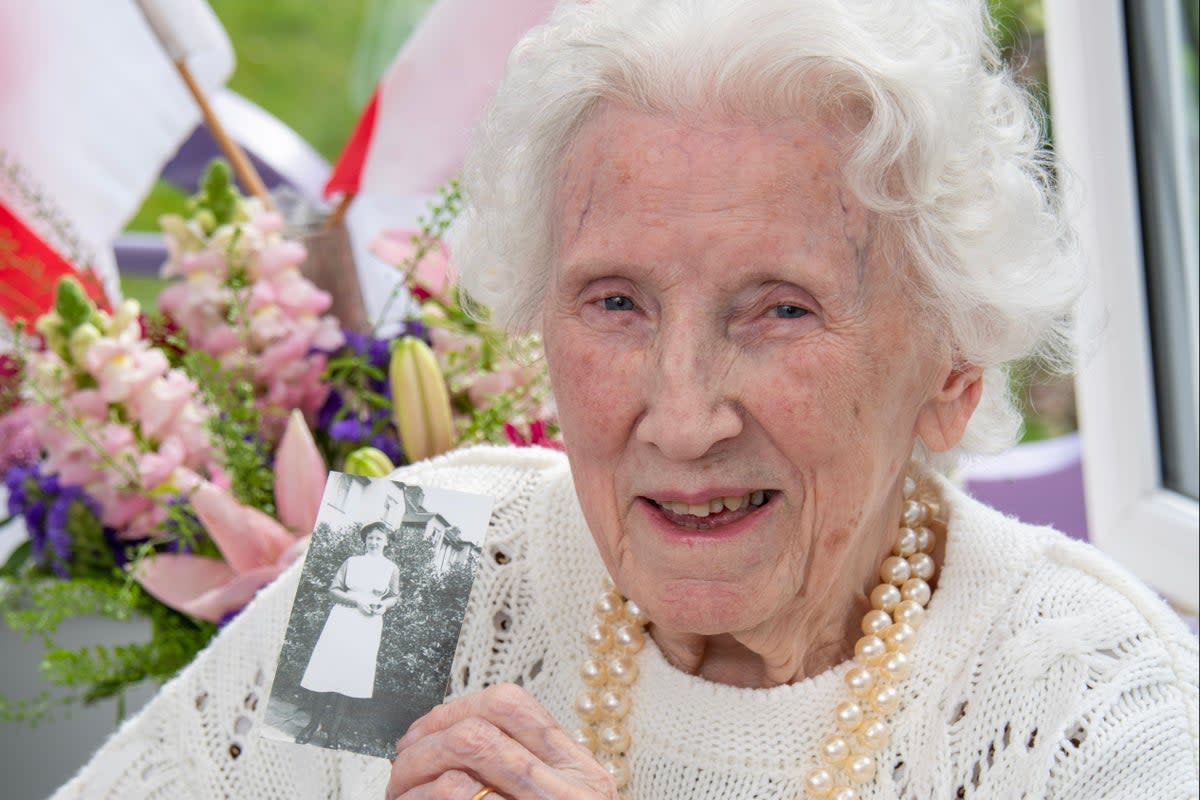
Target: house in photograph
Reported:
[(450, 547), (453, 549)]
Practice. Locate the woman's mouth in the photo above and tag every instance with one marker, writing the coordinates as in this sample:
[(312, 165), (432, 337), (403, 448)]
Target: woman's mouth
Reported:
[(715, 513)]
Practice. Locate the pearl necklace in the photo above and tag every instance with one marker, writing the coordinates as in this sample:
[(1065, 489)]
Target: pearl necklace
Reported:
[(881, 662)]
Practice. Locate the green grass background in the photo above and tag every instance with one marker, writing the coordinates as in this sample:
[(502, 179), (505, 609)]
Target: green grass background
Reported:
[(312, 65)]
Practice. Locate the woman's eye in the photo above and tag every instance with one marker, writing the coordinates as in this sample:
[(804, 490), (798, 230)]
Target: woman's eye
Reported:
[(788, 311), (617, 302)]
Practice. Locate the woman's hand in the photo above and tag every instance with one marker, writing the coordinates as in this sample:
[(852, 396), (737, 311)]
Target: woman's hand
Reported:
[(499, 738), (367, 607)]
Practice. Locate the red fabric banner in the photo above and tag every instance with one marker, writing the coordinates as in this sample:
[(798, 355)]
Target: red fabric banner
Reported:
[(30, 270), (347, 172), (414, 131)]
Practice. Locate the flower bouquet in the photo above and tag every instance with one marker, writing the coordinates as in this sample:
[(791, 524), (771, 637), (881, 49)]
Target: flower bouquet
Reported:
[(168, 465)]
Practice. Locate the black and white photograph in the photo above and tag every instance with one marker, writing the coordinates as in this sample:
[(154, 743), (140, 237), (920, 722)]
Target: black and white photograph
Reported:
[(377, 613)]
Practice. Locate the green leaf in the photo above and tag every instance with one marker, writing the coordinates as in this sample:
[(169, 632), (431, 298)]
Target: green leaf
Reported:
[(16, 560)]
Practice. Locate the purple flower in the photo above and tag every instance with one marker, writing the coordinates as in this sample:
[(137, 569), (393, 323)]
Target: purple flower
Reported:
[(357, 342), (389, 446), (379, 353), (48, 484), (35, 516), (348, 429), (380, 387), (118, 547), (58, 536), (414, 327), (56, 517), (328, 412), (18, 497), (15, 477)]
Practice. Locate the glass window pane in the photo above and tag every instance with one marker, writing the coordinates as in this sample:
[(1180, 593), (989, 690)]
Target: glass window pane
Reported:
[(1163, 59)]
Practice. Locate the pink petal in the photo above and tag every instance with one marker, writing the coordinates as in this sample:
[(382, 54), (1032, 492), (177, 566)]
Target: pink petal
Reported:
[(279, 256), (234, 595), (490, 384), (147, 523), (120, 512), (205, 261), (157, 406), (268, 221), (300, 476), (101, 352), (173, 298), (328, 335), (282, 353), (18, 444), (87, 403), (261, 296), (156, 467), (299, 296), (177, 580), (247, 537), (393, 246), (434, 270), (220, 340)]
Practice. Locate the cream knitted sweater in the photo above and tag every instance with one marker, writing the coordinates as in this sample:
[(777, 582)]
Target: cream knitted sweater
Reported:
[(1043, 670)]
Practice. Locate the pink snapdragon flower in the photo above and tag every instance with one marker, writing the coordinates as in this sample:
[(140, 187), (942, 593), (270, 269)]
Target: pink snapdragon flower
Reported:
[(245, 302), (137, 438), (123, 368), (18, 443)]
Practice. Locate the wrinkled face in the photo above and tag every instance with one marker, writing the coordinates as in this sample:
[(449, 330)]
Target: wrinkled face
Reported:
[(735, 366)]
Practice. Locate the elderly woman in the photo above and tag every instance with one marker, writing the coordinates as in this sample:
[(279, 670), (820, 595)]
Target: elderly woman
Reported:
[(780, 252)]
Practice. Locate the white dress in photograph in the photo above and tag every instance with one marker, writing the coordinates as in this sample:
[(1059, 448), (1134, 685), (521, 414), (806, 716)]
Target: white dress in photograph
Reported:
[(343, 660)]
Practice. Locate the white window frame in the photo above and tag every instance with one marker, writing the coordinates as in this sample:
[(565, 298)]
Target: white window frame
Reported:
[(1153, 531)]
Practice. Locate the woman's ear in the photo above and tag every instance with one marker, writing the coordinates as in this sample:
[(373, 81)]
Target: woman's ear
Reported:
[(943, 420)]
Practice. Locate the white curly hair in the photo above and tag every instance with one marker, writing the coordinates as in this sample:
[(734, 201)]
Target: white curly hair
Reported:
[(946, 153)]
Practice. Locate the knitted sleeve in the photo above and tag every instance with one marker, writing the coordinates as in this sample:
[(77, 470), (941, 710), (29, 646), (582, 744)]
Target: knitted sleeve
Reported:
[(1074, 682), (1138, 734)]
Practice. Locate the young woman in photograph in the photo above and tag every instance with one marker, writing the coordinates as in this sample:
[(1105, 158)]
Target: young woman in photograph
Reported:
[(342, 664)]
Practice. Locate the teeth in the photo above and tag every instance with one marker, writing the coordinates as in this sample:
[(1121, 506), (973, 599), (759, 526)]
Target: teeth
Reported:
[(716, 505)]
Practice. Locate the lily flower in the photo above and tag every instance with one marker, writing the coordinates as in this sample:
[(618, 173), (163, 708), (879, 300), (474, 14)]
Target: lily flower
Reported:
[(300, 476)]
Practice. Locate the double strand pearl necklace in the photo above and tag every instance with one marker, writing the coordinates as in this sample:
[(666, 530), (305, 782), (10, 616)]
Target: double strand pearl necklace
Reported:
[(881, 662)]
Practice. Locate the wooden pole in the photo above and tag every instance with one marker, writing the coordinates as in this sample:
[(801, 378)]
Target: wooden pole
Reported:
[(242, 167), (339, 211)]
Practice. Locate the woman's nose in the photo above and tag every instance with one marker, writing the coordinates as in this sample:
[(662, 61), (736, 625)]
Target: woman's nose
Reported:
[(690, 406)]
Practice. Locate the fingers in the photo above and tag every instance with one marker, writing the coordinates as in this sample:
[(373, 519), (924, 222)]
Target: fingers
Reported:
[(484, 752), (452, 785), (513, 710), (500, 738)]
